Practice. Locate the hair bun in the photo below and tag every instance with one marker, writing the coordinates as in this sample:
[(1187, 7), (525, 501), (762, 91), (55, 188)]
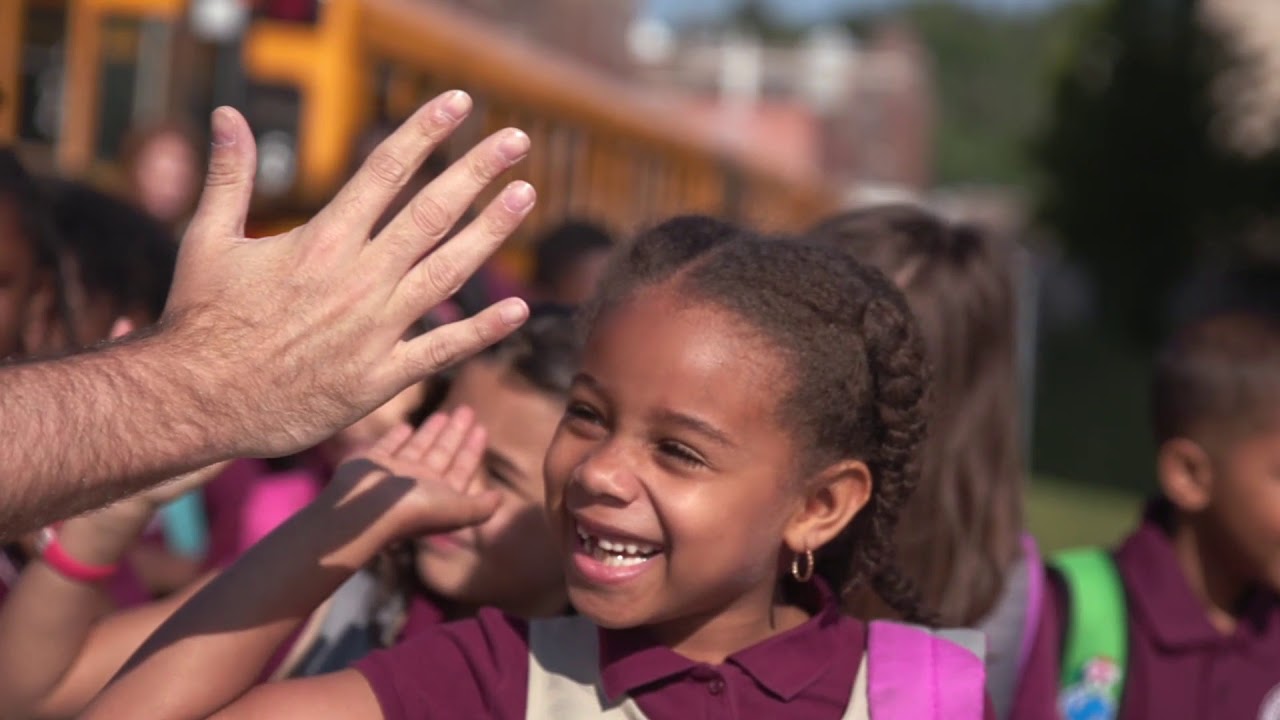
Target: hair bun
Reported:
[(963, 240)]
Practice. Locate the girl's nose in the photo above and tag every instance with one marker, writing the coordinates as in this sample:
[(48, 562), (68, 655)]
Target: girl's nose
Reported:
[(605, 474)]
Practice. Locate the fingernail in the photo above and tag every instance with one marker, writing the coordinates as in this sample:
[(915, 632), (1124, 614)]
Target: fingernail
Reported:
[(457, 105), (514, 145), (223, 128), (519, 196), (514, 312)]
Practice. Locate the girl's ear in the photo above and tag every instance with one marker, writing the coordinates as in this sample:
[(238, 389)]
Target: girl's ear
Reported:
[(831, 499), (1185, 474)]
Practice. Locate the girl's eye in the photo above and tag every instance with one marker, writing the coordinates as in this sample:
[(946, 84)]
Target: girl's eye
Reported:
[(681, 454), (582, 412), (498, 478)]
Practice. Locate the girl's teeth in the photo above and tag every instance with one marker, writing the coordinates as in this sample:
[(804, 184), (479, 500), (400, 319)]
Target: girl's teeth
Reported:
[(610, 559), (615, 554)]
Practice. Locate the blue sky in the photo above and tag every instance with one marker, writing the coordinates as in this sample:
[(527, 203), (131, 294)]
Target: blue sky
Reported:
[(807, 11)]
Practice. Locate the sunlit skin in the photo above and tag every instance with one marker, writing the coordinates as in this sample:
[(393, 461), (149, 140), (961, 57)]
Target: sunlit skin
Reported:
[(1228, 541), (673, 439), (512, 560)]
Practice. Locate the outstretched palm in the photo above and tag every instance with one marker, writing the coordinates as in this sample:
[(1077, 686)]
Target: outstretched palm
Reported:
[(429, 471)]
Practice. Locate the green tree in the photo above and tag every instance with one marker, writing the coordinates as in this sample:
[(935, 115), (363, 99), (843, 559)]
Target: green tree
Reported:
[(1133, 183)]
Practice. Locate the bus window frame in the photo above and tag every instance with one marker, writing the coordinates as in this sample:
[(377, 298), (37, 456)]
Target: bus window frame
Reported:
[(82, 96)]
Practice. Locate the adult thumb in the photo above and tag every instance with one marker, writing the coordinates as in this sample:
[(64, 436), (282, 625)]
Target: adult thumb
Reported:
[(228, 186)]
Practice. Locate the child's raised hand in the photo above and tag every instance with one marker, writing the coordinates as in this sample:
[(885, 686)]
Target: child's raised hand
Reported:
[(430, 472)]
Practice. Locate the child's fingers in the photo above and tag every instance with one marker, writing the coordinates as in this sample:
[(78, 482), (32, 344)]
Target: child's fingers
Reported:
[(415, 449), (459, 510), (467, 460), (440, 456), (391, 441)]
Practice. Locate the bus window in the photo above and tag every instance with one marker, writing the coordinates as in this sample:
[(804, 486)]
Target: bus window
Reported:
[(40, 80)]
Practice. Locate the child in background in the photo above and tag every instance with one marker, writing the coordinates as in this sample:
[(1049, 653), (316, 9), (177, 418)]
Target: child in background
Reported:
[(1182, 620), (162, 170), (736, 449), (569, 260), (116, 262), (961, 534), (515, 392), (30, 307)]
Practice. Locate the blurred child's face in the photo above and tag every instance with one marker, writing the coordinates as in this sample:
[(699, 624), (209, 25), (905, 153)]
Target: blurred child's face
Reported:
[(166, 176), (579, 284), (671, 479), (1245, 505), (21, 285), (511, 561)]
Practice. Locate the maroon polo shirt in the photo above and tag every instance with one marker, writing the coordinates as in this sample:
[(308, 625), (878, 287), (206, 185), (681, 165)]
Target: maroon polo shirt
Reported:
[(422, 614), (1179, 666), (480, 668)]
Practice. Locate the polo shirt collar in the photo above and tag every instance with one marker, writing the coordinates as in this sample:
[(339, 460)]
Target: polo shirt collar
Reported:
[(784, 665), (1166, 601)]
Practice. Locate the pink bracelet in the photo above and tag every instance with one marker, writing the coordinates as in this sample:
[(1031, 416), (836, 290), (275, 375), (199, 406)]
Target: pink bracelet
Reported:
[(53, 554)]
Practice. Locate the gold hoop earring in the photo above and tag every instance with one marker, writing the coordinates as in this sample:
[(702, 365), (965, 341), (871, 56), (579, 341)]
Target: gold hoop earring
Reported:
[(807, 574)]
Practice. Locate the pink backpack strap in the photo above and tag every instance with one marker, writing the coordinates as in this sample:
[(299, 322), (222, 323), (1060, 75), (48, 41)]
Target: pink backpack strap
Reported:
[(914, 673), (1034, 564)]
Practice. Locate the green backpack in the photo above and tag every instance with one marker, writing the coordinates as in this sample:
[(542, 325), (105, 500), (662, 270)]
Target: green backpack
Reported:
[(1096, 643)]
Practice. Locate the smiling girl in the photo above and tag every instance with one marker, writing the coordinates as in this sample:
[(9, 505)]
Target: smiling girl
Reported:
[(744, 429)]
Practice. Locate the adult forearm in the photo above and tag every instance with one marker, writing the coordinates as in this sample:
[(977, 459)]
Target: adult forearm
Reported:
[(82, 431)]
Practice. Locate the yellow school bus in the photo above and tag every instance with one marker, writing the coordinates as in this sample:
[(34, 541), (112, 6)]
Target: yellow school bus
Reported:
[(74, 74)]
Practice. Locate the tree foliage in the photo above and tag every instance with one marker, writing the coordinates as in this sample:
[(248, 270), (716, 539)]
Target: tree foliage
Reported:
[(1134, 182)]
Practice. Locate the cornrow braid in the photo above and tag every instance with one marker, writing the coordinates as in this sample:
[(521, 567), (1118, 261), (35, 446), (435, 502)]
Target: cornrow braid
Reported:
[(900, 375), (858, 381)]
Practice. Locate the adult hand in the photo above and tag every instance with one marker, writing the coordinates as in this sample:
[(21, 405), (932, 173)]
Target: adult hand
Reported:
[(426, 474), (287, 339)]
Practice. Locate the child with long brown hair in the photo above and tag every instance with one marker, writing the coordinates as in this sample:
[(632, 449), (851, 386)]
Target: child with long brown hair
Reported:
[(961, 536)]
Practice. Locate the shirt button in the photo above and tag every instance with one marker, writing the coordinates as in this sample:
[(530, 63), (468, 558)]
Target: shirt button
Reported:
[(716, 686)]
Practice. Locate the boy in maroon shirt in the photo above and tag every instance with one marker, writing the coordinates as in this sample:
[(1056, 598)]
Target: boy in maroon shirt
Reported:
[(1201, 573)]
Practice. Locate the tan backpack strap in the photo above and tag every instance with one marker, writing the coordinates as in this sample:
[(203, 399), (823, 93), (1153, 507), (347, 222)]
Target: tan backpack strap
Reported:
[(564, 673), (858, 709), (302, 643)]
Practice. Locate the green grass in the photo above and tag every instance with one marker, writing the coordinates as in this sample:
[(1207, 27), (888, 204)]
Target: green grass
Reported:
[(1063, 515)]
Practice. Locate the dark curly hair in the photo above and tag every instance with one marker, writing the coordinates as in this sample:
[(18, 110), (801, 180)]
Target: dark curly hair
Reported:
[(121, 255), (858, 381)]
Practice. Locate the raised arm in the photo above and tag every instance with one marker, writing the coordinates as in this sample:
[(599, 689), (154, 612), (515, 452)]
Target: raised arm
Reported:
[(214, 648), (266, 345), (56, 649)]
